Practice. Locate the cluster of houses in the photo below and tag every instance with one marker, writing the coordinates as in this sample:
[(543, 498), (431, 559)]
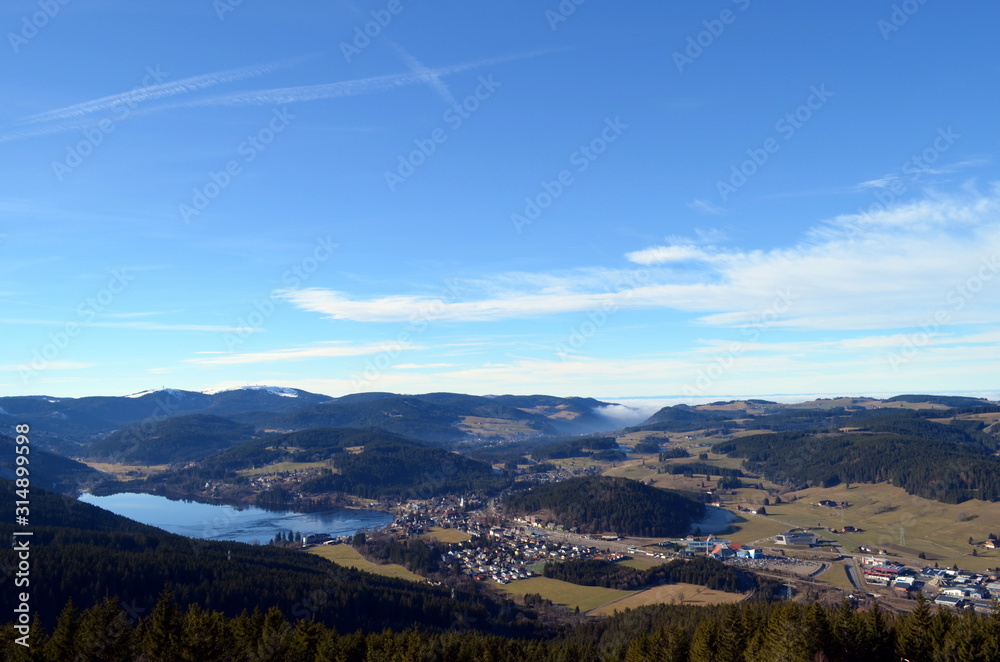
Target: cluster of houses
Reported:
[(508, 558), (954, 588)]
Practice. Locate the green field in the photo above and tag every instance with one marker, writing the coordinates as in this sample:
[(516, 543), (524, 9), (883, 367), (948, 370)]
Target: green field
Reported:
[(564, 593), (643, 562), (898, 522), (346, 556), (836, 575), (748, 528)]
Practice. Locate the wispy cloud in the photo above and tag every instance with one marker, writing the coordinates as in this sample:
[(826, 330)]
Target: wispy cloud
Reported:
[(326, 350), (154, 92), (49, 366), (666, 254), (348, 88), (706, 207), (137, 326), (339, 305), (910, 261), (912, 173), (434, 80), (83, 114)]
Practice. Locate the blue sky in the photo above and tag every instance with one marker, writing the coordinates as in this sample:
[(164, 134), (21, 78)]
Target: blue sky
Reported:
[(603, 199)]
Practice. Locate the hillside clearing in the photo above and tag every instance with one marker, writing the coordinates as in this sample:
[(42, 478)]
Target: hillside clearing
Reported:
[(347, 556), (681, 594)]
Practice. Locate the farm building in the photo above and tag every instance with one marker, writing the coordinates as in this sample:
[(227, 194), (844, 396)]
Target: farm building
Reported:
[(796, 537), (949, 601)]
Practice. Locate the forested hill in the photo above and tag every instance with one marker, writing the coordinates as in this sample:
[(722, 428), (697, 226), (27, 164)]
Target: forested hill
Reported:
[(178, 439), (406, 470), (601, 504), (946, 400), (48, 470), (83, 553), (951, 469), (368, 463)]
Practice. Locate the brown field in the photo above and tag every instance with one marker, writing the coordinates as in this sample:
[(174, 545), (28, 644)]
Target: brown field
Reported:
[(122, 471), (445, 535), (681, 594), (345, 555), (284, 467), (564, 593), (493, 427)]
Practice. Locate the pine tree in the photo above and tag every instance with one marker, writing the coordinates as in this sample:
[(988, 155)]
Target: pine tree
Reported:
[(734, 634), (914, 640), (941, 624), (160, 633), (305, 641), (640, 650), (206, 636), (879, 634), (105, 634), (816, 631), (965, 639), (704, 642), (849, 632), (275, 637), (62, 644)]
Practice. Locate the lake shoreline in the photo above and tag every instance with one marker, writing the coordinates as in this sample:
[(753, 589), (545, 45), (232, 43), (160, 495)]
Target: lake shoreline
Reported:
[(327, 501), (239, 522)]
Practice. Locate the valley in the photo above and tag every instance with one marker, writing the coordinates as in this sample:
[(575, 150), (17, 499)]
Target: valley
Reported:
[(511, 505)]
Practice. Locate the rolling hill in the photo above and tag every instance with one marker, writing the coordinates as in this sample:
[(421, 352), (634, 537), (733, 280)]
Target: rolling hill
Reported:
[(598, 504), (179, 439)]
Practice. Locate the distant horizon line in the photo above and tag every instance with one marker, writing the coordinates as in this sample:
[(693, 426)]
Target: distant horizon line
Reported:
[(783, 398)]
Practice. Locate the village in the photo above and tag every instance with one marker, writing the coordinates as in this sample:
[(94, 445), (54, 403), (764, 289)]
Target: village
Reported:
[(500, 550)]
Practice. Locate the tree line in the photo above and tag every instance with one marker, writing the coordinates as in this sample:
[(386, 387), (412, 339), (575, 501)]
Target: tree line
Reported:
[(703, 571), (746, 632)]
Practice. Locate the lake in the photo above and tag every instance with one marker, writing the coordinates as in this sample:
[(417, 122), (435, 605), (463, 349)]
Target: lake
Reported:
[(244, 524), (716, 520)]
